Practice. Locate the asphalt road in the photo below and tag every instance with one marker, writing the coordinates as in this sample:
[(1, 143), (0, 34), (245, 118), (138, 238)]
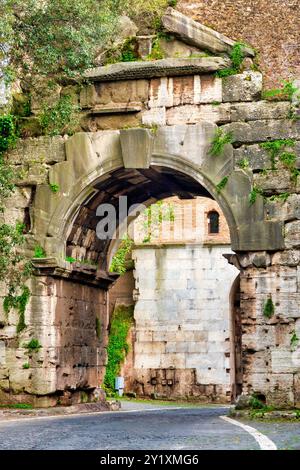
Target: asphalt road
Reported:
[(142, 427)]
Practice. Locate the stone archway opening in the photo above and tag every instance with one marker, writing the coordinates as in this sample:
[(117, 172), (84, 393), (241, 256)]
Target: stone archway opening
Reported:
[(184, 350), (181, 342)]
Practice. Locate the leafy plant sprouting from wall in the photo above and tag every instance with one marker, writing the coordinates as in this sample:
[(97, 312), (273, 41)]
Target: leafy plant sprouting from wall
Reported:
[(14, 269), (220, 139), (118, 346), (47, 44), (39, 252), (294, 340), (275, 149), (119, 263), (269, 308), (54, 188), (255, 192), (33, 345), (60, 118), (155, 215), (222, 184), (287, 91), (237, 57)]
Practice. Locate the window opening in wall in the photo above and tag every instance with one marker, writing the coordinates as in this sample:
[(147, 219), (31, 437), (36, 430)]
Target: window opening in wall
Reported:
[(213, 222)]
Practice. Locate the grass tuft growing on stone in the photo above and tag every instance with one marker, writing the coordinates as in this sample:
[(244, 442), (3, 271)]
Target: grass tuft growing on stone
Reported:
[(255, 192), (39, 252), (274, 147), (288, 159), (18, 406), (220, 186), (269, 308), (33, 345), (294, 340), (287, 91), (219, 141), (236, 57)]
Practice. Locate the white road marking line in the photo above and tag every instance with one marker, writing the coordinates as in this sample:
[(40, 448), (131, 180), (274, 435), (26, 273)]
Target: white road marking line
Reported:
[(264, 442)]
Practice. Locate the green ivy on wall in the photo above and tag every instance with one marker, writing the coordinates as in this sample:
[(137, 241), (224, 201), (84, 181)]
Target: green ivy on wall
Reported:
[(118, 346), (119, 263), (14, 269)]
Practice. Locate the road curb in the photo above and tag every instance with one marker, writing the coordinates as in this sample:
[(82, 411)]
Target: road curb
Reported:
[(82, 408), (266, 415)]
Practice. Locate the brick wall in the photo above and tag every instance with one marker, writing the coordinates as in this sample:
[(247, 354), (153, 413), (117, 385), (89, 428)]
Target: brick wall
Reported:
[(190, 223), (271, 26)]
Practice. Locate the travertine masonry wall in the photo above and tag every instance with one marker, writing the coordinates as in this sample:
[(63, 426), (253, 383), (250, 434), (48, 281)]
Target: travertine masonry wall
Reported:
[(267, 347), (71, 361), (183, 320)]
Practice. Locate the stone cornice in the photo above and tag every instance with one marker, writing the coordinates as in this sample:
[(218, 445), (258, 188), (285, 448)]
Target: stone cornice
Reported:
[(157, 68)]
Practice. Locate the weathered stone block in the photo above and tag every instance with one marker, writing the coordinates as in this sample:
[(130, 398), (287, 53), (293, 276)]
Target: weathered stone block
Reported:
[(110, 121), (197, 34), (136, 148), (192, 114), (281, 390), (161, 92), (2, 353), (286, 258), (39, 150), (154, 117), (292, 234), (192, 142), (183, 90), (278, 181), (261, 260), (285, 211), (297, 390), (210, 89), (246, 86), (20, 199), (12, 216), (257, 157), (284, 361), (175, 48), (258, 337), (127, 92), (263, 236), (259, 110), (258, 361), (157, 68), (263, 130)]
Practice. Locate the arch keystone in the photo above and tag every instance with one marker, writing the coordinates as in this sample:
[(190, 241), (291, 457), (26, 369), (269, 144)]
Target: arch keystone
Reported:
[(136, 147)]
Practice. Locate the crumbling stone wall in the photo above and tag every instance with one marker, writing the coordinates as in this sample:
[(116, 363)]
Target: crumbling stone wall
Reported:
[(70, 362)]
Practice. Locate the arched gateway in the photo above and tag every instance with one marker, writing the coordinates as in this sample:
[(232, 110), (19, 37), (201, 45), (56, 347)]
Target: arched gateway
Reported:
[(156, 144)]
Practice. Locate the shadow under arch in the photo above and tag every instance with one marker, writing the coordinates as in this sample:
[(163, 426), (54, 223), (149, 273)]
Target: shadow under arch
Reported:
[(167, 176)]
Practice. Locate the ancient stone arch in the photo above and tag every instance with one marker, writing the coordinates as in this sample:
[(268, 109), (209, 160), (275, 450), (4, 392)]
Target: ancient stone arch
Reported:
[(146, 132), (91, 158)]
